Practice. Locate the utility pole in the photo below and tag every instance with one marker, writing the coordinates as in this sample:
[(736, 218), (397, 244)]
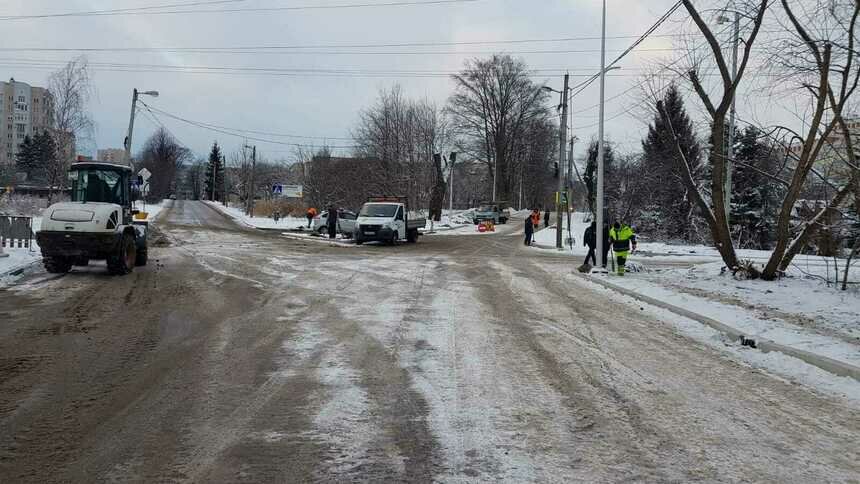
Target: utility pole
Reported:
[(570, 183), (130, 127), (249, 204), (134, 95), (452, 159), (730, 150), (599, 234), (495, 172), (214, 180), (562, 149), (223, 179)]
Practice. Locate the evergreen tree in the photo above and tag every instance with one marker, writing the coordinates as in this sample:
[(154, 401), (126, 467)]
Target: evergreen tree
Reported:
[(667, 201), (215, 168), (27, 158), (36, 155), (756, 197), (590, 177)]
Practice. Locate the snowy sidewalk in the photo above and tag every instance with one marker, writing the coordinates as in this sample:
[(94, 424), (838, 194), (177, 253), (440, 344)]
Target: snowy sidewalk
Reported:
[(798, 314), (838, 355)]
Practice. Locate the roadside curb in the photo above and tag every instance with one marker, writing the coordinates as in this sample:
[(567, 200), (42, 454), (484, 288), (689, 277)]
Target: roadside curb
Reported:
[(316, 240), (217, 208), (838, 368), (18, 270)]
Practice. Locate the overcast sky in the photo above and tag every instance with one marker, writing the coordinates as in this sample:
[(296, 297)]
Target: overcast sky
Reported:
[(325, 105)]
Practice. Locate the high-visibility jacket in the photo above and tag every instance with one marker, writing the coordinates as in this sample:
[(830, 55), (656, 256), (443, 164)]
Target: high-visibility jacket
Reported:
[(621, 239), (312, 212)]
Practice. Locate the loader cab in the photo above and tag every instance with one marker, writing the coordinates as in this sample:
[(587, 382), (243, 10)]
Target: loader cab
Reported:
[(101, 183)]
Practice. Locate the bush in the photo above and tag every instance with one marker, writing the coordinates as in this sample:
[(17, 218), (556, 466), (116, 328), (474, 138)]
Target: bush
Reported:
[(265, 208), (746, 270)]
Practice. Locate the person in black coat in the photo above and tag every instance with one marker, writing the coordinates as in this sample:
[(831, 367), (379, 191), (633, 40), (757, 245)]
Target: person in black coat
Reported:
[(530, 229), (332, 222), (605, 243), (590, 239), (546, 218)]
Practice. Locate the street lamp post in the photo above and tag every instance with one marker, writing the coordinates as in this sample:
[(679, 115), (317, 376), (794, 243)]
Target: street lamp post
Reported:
[(134, 96), (599, 237), (453, 159)]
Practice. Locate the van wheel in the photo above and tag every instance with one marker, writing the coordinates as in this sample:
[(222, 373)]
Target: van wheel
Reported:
[(394, 238), (57, 264), (142, 256), (412, 236), (121, 262)]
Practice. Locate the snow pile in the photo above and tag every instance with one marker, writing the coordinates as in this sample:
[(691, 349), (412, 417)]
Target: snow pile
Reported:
[(152, 209), (237, 214), (19, 259), (340, 239), (451, 220), (580, 221)]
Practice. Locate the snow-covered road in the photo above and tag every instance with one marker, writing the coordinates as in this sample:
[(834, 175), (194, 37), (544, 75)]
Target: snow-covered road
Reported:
[(250, 357)]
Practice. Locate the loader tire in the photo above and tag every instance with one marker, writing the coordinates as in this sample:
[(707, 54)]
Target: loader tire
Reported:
[(57, 264), (121, 262)]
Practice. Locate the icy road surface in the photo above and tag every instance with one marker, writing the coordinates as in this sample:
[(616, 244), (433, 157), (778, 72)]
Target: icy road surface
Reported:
[(243, 356)]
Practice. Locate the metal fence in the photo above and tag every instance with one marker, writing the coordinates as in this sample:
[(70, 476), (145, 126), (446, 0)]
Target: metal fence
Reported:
[(16, 231)]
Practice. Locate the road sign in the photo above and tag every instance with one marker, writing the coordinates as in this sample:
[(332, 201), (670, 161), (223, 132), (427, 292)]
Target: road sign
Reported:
[(144, 173), (288, 191)]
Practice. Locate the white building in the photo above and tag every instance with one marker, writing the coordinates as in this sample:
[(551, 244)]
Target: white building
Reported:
[(112, 155), (23, 111)]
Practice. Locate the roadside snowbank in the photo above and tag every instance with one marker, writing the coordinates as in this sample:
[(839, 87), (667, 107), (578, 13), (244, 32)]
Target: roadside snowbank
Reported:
[(152, 209), (19, 259), (237, 214), (545, 238)]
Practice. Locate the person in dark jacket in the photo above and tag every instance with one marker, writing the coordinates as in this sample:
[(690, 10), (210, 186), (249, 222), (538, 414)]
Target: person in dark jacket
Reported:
[(332, 222), (530, 229), (590, 239), (546, 218), (605, 243)]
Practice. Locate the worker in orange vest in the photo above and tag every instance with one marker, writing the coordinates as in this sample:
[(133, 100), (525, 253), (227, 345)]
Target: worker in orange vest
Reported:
[(312, 212), (536, 218)]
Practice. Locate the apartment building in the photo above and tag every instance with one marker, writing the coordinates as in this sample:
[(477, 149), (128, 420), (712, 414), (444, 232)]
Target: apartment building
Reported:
[(112, 155), (24, 110)]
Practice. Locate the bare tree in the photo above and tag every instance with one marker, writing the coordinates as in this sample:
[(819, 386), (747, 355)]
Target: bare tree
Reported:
[(493, 103), (163, 156), (820, 55), (194, 179), (404, 135), (70, 89), (717, 106)]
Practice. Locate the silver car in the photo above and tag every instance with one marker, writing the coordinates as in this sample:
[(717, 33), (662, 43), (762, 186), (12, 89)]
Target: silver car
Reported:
[(345, 222)]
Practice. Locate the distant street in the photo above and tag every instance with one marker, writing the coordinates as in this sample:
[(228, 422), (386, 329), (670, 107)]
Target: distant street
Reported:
[(243, 356)]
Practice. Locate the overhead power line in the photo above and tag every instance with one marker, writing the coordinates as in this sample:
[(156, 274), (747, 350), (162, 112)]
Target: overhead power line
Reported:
[(652, 76), (537, 73), (243, 133), (119, 10), (143, 11), (371, 45), (328, 52), (582, 86)]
